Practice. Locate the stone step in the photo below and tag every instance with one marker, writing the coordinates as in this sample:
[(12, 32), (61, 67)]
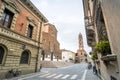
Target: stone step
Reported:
[(55, 64)]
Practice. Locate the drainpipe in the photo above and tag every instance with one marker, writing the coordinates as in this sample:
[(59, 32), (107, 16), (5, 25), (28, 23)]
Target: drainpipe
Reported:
[(39, 39)]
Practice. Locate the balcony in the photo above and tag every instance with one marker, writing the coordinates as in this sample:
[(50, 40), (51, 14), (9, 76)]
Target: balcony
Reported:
[(109, 57), (90, 37), (11, 34)]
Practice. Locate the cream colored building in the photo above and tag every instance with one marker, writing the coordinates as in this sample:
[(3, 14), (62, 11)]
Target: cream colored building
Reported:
[(67, 55), (102, 22)]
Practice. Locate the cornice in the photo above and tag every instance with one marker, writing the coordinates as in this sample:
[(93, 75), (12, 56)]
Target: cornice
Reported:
[(30, 7)]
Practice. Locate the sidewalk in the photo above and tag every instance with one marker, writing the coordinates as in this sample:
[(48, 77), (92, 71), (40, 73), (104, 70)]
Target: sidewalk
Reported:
[(91, 76), (22, 76)]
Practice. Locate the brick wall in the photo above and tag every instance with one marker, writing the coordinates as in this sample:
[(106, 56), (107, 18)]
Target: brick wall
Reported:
[(14, 38), (50, 41)]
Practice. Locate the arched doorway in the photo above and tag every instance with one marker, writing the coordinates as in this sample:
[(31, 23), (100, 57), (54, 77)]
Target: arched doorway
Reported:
[(2, 54), (25, 57), (3, 51)]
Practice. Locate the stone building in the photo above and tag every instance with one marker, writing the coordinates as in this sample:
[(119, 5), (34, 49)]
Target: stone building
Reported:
[(50, 44), (102, 20), (81, 52), (20, 36)]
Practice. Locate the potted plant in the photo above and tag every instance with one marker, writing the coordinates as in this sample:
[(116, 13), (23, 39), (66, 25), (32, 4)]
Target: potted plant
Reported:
[(103, 47), (94, 56)]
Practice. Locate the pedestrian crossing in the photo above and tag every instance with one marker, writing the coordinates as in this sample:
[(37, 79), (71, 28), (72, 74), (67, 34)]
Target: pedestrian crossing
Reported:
[(58, 76)]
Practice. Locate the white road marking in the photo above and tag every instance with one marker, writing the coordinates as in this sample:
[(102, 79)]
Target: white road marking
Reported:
[(83, 77), (50, 75), (44, 75), (30, 76), (65, 76), (58, 76), (74, 77)]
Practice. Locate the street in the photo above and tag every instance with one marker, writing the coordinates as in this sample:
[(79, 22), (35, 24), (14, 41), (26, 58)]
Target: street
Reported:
[(73, 72)]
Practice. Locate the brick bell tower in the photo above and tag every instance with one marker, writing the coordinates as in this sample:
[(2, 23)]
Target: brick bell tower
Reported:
[(80, 51)]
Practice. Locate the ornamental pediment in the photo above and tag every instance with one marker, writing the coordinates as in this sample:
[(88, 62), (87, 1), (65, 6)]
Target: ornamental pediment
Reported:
[(12, 4)]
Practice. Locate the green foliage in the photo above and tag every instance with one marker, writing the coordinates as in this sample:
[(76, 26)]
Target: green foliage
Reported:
[(94, 56), (103, 47)]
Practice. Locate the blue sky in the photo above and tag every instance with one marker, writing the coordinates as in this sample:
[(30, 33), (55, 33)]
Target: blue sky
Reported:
[(68, 17)]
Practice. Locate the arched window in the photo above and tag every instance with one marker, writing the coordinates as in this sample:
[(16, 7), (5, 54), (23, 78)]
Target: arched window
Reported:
[(25, 57), (2, 53)]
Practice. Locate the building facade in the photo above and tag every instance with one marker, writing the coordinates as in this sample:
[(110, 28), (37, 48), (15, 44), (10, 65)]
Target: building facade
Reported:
[(50, 45), (102, 24), (20, 36), (68, 56), (81, 53)]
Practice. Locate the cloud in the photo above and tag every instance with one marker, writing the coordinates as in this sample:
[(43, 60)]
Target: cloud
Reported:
[(40, 4), (44, 4), (68, 19), (67, 16)]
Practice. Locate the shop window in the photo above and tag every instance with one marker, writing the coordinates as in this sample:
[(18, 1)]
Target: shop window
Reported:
[(6, 18), (25, 57)]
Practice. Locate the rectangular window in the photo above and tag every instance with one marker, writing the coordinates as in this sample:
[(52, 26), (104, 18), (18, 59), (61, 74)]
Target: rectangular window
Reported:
[(30, 31), (7, 18)]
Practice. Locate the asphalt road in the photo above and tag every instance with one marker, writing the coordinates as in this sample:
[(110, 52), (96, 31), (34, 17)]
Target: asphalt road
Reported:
[(73, 72)]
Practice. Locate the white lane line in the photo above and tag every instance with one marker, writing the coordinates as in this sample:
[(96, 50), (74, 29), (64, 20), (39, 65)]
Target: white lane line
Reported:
[(58, 76), (83, 77), (65, 76), (50, 75), (74, 77), (31, 76)]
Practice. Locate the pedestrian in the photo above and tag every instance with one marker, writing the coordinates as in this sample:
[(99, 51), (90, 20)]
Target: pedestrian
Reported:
[(89, 65), (40, 67), (94, 69)]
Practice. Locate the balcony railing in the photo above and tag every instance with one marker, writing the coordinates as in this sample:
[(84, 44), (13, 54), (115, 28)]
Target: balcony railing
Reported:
[(110, 57), (11, 34)]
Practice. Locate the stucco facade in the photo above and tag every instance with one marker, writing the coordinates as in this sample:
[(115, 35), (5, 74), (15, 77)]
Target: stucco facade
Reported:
[(105, 14), (68, 56), (20, 49)]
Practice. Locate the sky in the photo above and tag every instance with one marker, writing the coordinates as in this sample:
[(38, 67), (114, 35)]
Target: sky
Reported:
[(68, 18)]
